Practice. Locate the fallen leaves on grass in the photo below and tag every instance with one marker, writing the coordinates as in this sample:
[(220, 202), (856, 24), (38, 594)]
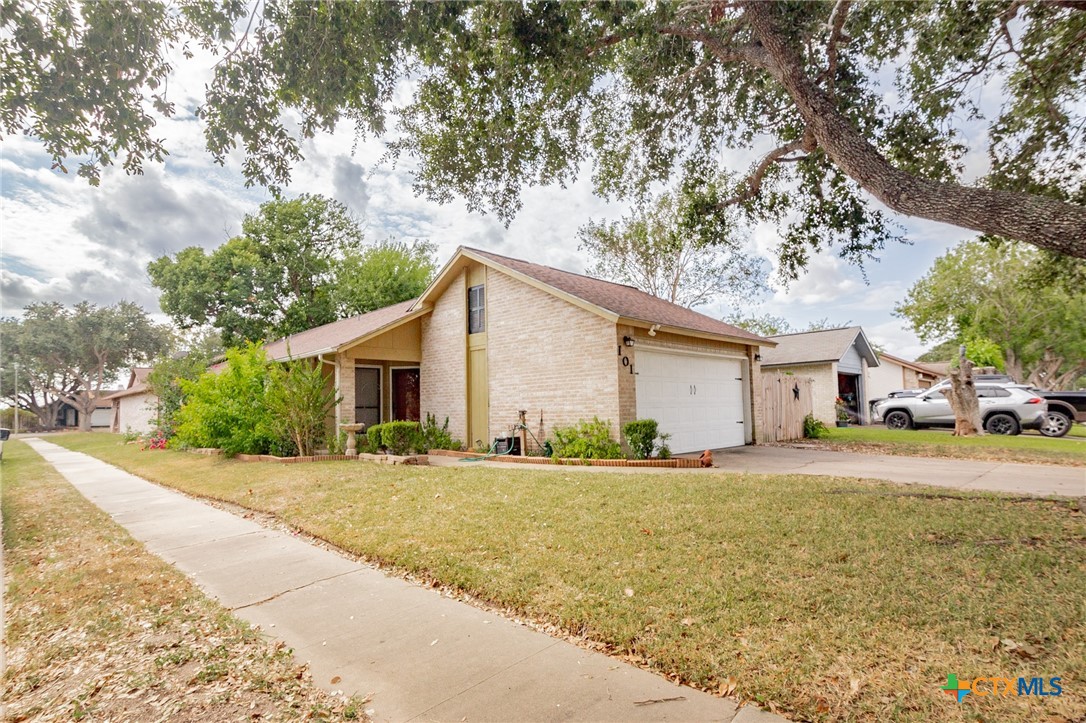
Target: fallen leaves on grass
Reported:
[(99, 629)]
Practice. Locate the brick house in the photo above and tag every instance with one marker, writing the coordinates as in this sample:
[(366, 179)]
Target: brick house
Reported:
[(493, 336), (838, 361)]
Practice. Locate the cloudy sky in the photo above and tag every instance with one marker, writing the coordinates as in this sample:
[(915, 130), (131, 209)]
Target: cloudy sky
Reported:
[(66, 241)]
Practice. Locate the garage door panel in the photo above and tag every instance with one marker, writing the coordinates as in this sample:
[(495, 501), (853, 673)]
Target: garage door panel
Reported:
[(698, 400)]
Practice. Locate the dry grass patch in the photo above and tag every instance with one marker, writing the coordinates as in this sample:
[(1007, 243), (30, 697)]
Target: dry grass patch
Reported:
[(1024, 448), (827, 598), (100, 629)]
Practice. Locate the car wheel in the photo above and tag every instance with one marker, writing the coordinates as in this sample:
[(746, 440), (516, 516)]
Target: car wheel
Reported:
[(1056, 424), (898, 420), (1001, 424)]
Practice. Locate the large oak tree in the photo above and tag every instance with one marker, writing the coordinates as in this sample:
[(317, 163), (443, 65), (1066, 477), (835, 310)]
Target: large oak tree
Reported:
[(848, 102), (77, 353)]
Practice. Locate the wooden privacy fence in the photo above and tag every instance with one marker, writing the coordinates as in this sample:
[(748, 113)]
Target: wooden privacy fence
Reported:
[(786, 400)]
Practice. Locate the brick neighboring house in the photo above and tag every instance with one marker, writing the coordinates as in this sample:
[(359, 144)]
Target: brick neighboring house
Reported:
[(492, 336), (837, 360), (134, 408)]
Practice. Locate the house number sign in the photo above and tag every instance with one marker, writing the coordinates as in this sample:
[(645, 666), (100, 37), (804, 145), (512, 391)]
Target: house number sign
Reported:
[(625, 360)]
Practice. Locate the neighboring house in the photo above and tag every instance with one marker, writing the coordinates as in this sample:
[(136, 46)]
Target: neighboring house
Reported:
[(838, 360), (940, 369), (134, 408), (101, 417), (894, 373), (492, 337)]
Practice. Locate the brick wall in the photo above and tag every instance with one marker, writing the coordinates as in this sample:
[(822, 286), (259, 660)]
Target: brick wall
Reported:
[(443, 379), (345, 365), (547, 355), (823, 388)]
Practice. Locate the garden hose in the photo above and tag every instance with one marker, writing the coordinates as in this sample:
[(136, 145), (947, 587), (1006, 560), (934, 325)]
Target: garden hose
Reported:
[(494, 446)]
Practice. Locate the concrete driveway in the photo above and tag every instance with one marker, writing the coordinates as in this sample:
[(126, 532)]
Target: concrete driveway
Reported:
[(1026, 479), (973, 475)]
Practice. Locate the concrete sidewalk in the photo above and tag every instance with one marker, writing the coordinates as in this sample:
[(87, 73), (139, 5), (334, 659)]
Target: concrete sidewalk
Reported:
[(422, 656)]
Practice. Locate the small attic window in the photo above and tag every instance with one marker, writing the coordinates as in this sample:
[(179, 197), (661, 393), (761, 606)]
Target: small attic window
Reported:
[(476, 309)]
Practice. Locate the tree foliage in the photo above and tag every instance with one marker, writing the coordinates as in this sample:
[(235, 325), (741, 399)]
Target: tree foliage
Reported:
[(297, 264), (185, 363), (275, 279), (383, 274), (224, 408), (673, 252), (71, 355), (301, 402), (847, 101), (769, 325), (983, 294), (43, 383)]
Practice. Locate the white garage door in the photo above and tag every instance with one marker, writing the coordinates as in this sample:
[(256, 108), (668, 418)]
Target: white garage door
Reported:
[(698, 400)]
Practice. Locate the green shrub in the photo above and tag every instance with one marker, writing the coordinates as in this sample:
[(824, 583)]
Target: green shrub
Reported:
[(401, 437), (226, 409), (435, 437), (374, 442), (640, 435), (814, 428), (586, 440), (300, 401)]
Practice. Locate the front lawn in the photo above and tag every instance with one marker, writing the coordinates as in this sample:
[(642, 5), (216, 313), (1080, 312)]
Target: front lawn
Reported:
[(100, 629), (829, 599), (1025, 448)]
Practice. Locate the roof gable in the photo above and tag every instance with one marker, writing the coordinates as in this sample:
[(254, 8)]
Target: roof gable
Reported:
[(608, 299), (344, 332), (811, 347), (915, 366)]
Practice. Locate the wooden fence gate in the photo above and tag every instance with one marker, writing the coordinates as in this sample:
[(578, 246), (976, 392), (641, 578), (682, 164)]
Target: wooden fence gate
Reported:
[(786, 400)]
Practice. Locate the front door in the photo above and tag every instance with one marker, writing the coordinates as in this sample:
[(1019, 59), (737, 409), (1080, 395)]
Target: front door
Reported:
[(405, 395), (367, 395)]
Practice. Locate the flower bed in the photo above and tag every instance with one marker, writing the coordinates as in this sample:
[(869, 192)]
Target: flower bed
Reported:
[(379, 458), (674, 463)]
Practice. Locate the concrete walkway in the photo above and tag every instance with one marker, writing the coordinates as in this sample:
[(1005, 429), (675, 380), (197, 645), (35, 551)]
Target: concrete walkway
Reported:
[(962, 474), (422, 656)]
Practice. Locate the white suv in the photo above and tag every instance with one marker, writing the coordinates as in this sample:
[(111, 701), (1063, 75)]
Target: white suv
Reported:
[(1003, 409)]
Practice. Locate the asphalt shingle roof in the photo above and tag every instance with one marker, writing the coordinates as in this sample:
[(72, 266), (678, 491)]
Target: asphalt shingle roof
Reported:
[(810, 347), (620, 299)]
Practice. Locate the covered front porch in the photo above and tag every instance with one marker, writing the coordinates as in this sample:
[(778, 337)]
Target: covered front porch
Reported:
[(378, 377)]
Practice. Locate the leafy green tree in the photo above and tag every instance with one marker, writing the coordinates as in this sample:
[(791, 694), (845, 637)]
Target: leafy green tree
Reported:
[(769, 325), (274, 279), (383, 274), (980, 293), (301, 401), (672, 251), (78, 352), (852, 98), (42, 382), (761, 324)]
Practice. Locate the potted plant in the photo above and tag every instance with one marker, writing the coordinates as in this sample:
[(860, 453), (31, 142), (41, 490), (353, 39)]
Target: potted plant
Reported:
[(842, 412)]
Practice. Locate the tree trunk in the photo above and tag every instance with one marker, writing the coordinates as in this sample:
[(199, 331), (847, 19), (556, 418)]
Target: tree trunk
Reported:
[(962, 396), (1043, 222), (84, 404)]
